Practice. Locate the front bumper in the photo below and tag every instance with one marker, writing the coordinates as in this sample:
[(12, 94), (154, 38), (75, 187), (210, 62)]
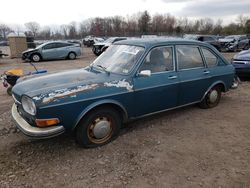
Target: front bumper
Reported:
[(35, 132), (242, 70)]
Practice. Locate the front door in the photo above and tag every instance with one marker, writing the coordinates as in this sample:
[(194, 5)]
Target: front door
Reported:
[(158, 91), (49, 51)]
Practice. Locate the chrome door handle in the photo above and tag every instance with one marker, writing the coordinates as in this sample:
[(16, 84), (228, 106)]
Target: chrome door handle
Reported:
[(206, 72), (172, 77)]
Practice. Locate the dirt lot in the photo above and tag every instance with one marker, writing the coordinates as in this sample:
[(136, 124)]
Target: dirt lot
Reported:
[(187, 147)]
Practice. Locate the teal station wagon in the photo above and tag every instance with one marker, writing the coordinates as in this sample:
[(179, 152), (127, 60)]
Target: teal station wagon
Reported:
[(132, 79)]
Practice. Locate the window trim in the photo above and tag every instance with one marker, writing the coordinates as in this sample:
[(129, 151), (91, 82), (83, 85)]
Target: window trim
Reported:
[(217, 58), (177, 61), (173, 60)]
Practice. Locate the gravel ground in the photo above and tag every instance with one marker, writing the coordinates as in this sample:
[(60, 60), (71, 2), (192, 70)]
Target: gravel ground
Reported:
[(188, 147)]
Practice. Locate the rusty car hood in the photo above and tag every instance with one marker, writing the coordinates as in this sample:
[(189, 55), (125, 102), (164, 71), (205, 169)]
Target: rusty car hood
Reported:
[(50, 88)]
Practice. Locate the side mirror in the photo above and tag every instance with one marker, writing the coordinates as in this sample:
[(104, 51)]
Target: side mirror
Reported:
[(145, 73)]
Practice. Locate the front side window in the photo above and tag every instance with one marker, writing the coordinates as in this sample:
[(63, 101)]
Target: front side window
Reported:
[(188, 57), (159, 59), (210, 58), (119, 58), (49, 46)]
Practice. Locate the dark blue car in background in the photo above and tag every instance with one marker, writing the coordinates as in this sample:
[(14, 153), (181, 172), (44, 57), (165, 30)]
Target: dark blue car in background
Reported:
[(132, 79), (241, 62)]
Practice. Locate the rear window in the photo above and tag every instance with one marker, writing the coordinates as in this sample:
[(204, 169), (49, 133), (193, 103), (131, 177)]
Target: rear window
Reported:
[(210, 58)]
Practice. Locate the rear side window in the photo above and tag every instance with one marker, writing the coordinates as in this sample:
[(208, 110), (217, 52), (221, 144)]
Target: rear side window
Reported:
[(210, 58), (188, 57), (60, 45)]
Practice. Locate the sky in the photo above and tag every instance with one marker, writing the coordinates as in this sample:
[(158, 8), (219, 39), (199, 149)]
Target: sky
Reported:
[(57, 12)]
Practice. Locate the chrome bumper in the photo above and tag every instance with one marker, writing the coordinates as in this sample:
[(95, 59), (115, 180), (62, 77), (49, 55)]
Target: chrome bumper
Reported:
[(35, 132)]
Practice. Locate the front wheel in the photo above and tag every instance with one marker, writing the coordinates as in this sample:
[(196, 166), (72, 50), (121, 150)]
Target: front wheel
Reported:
[(99, 127), (9, 90), (35, 58), (212, 98)]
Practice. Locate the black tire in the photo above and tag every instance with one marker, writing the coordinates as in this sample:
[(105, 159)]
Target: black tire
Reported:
[(212, 98), (71, 56), (246, 47), (97, 52), (9, 91), (102, 120), (35, 57)]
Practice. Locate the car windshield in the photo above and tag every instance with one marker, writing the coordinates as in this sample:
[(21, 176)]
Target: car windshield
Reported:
[(118, 58)]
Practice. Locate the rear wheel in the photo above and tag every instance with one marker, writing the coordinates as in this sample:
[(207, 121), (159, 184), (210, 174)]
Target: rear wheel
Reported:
[(72, 56), (99, 127), (212, 98)]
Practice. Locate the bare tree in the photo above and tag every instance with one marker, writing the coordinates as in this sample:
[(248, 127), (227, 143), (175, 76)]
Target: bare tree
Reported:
[(64, 29), (247, 26), (34, 27), (45, 33), (241, 19), (4, 30), (72, 30), (218, 27), (144, 22), (84, 29)]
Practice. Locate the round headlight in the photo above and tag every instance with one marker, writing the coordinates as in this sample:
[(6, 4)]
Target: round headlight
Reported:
[(28, 105)]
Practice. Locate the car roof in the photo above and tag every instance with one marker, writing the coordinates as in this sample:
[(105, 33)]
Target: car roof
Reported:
[(151, 42)]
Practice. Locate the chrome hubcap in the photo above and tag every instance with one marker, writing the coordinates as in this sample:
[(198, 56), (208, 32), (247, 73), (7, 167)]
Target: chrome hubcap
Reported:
[(101, 128), (36, 58), (213, 96)]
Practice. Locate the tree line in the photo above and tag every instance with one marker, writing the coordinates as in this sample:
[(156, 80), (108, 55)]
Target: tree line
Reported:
[(141, 23)]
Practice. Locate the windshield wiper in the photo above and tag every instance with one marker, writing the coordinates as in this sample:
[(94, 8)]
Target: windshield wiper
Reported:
[(103, 68)]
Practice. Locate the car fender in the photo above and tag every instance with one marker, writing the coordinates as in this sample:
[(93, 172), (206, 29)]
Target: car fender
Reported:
[(214, 84), (99, 103)]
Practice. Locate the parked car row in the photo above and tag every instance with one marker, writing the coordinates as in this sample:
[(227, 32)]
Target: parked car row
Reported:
[(229, 43), (210, 39), (95, 101), (234, 43), (100, 47), (89, 41)]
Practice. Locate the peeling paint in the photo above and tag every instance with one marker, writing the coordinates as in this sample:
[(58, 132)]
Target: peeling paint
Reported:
[(67, 92), (120, 83), (57, 94)]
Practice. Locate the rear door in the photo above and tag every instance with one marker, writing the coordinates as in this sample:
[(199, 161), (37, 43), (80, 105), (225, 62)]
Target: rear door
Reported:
[(61, 50), (194, 75)]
